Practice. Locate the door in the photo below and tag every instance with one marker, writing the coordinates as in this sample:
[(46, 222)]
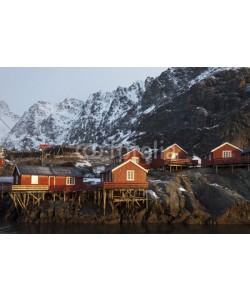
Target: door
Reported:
[(52, 182)]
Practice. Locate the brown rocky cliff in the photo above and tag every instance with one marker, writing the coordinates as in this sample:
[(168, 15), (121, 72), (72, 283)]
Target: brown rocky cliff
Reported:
[(199, 196)]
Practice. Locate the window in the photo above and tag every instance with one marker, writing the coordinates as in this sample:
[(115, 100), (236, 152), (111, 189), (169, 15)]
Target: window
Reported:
[(70, 181), (135, 159), (209, 156), (34, 179), (130, 175), (226, 154)]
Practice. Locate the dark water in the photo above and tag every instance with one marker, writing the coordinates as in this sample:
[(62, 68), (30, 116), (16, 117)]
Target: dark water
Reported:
[(10, 228)]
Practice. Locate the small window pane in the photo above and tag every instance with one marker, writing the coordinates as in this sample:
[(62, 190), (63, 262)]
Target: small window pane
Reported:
[(34, 179), (70, 180), (130, 175)]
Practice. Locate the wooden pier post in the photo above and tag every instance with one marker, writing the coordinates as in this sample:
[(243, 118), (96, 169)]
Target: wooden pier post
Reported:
[(104, 201)]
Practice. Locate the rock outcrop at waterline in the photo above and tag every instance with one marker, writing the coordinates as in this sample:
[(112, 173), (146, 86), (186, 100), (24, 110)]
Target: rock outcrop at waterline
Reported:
[(201, 197), (195, 196)]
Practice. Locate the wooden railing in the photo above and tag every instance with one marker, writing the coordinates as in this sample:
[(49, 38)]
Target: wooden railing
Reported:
[(232, 160), (181, 162), (226, 161), (29, 188), (125, 185)]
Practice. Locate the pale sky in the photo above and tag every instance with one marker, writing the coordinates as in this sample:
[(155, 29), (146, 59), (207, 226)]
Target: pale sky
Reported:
[(22, 87)]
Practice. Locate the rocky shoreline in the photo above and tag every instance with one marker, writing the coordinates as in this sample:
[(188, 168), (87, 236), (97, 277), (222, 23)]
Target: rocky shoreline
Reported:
[(196, 196)]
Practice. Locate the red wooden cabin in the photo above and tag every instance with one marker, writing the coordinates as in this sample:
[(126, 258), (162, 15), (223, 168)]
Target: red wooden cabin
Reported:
[(2, 162), (129, 174), (224, 154), (45, 146), (46, 178), (172, 155)]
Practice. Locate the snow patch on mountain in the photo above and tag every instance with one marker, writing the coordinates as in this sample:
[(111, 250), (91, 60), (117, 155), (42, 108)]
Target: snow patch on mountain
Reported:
[(117, 117), (44, 122), (7, 120)]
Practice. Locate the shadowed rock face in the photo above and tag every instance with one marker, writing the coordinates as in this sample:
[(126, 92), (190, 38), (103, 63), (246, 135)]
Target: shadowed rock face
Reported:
[(201, 197), (212, 111)]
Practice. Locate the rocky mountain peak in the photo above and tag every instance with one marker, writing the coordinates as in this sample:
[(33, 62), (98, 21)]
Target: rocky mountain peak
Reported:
[(7, 120), (197, 108)]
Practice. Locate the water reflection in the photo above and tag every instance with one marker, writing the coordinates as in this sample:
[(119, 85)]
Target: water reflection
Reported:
[(122, 229)]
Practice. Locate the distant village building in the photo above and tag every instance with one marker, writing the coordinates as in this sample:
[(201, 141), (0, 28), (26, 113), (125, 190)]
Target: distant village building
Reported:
[(44, 146), (47, 178), (2, 152), (5, 182)]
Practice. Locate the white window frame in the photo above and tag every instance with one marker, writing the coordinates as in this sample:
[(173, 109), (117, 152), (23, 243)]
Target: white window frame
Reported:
[(227, 154), (34, 179), (135, 159), (130, 175), (70, 180)]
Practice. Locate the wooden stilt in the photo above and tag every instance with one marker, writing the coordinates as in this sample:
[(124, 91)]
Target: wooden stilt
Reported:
[(99, 197), (104, 202)]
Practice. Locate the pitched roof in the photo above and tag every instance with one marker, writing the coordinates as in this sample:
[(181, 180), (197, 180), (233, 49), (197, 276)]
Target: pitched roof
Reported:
[(48, 171), (224, 145), (115, 167), (176, 146), (4, 179), (132, 151), (247, 150)]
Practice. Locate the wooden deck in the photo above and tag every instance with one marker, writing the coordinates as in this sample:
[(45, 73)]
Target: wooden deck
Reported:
[(187, 162), (123, 185), (17, 188), (232, 161), (38, 188)]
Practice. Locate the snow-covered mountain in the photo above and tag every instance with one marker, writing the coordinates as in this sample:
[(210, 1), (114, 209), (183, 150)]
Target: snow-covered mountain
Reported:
[(44, 122), (108, 116), (189, 106), (7, 120)]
